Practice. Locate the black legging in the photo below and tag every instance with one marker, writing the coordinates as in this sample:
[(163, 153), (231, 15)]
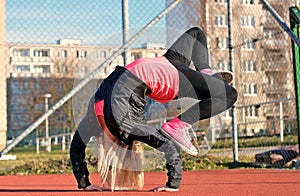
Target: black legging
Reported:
[(215, 96), (190, 46)]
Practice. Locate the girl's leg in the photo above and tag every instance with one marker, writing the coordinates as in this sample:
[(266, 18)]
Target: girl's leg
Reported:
[(87, 128), (191, 46), (172, 155), (213, 94), (214, 97)]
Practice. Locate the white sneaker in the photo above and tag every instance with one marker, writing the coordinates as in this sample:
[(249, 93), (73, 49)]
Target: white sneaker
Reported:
[(226, 76)]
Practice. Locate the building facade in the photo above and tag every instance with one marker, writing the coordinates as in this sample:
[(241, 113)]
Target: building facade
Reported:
[(38, 69), (261, 61), (262, 65), (3, 112)]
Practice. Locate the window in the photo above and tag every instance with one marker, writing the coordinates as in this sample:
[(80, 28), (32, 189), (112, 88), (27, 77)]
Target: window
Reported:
[(21, 52), (222, 42), (244, 131), (221, 1), (101, 54), (267, 15), (278, 1), (273, 38), (42, 68), (64, 53), (41, 53), (223, 65), (81, 54), (249, 66), (250, 89), (83, 69), (271, 33), (63, 69), (228, 113), (22, 68), (249, 44), (247, 2), (221, 20), (135, 56), (247, 21), (251, 111)]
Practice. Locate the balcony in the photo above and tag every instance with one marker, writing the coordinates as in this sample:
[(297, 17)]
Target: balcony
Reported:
[(275, 66), (15, 59), (271, 113), (275, 88), (20, 59), (274, 44), (41, 59)]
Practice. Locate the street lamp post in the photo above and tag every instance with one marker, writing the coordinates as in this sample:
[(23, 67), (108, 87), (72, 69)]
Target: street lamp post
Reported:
[(48, 144)]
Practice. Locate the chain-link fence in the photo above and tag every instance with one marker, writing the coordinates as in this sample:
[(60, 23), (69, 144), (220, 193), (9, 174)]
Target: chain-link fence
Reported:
[(265, 113), (53, 45), (66, 40)]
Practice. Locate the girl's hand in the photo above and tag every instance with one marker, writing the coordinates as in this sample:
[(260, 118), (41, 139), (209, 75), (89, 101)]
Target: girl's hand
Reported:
[(164, 189), (96, 188), (92, 188)]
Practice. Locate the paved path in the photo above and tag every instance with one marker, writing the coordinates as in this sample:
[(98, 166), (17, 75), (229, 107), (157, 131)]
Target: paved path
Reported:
[(239, 182)]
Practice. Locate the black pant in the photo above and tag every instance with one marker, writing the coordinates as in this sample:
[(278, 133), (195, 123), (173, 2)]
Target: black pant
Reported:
[(124, 113), (87, 128), (190, 46), (215, 95)]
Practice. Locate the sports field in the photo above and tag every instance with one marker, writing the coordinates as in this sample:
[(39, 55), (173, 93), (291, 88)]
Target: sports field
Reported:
[(238, 182)]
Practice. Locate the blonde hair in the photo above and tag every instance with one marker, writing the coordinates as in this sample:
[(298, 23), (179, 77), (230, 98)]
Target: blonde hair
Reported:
[(120, 166)]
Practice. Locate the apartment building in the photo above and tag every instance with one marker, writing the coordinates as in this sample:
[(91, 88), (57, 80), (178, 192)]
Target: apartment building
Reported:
[(67, 58), (3, 114), (38, 69), (261, 63), (245, 61), (278, 83), (261, 60)]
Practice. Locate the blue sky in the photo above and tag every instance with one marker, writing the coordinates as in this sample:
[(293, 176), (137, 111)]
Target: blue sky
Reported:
[(92, 21)]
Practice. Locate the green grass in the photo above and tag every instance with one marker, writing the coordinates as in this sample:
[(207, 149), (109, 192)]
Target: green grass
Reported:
[(28, 162), (57, 161), (258, 142)]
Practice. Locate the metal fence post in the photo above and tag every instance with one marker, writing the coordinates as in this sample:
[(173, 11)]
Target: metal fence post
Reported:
[(48, 145), (125, 26), (37, 145), (281, 120), (295, 25), (231, 65), (63, 142)]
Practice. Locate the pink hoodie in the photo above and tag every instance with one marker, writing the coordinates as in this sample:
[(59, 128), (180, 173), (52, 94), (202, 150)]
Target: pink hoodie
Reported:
[(158, 74)]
